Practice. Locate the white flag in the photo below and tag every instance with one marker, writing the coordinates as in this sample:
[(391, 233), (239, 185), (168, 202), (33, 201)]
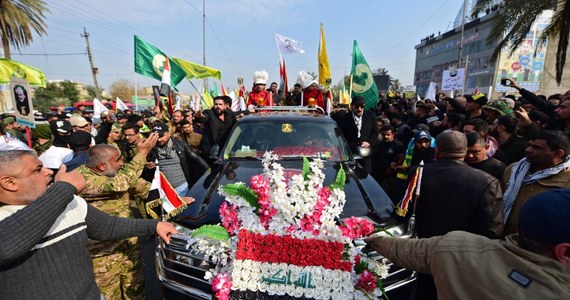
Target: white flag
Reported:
[(288, 45), (98, 108), (177, 106), (120, 104), (242, 104), (431, 91), (235, 101)]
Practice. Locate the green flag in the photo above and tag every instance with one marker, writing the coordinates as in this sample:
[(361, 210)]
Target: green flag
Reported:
[(362, 81), (149, 61), (9, 68), (197, 71)]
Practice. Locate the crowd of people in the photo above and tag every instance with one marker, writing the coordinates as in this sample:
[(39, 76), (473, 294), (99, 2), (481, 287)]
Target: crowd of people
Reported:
[(482, 161)]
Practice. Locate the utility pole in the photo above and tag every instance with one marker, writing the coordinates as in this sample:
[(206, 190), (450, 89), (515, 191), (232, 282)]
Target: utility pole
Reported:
[(94, 70)]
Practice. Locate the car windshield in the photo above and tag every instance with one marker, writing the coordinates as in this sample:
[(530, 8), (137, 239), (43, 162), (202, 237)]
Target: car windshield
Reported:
[(288, 139)]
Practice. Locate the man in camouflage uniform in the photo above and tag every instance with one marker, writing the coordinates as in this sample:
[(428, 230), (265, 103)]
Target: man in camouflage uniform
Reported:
[(114, 136), (131, 137), (116, 263)]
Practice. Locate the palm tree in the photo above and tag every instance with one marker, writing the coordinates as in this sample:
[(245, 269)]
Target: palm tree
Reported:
[(18, 20), (395, 85), (514, 20), (381, 71)]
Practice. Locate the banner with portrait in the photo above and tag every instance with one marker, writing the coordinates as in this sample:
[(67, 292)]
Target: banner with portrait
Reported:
[(22, 102)]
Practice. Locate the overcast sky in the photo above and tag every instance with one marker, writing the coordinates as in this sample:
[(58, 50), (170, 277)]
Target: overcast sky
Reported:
[(239, 36)]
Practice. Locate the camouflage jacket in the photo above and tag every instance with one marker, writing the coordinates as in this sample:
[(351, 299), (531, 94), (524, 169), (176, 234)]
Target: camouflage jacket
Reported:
[(111, 195)]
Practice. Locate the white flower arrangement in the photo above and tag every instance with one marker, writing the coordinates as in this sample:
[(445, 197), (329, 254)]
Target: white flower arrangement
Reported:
[(299, 208)]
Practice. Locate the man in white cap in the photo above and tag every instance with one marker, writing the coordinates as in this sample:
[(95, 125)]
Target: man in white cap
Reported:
[(258, 95), (312, 94)]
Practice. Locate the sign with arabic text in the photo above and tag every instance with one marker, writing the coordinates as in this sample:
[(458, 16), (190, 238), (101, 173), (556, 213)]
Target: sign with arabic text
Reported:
[(453, 79)]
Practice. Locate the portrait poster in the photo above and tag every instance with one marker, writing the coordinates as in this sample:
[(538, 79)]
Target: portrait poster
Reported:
[(22, 102)]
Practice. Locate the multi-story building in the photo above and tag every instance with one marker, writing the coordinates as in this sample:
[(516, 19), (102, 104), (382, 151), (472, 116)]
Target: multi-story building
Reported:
[(531, 66)]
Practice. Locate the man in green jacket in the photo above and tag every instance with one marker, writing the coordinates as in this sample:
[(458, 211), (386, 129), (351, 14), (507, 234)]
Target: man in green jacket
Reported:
[(533, 264)]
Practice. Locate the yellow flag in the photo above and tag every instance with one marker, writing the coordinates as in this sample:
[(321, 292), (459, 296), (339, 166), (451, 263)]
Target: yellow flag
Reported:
[(193, 70), (324, 68), (9, 68), (207, 101)]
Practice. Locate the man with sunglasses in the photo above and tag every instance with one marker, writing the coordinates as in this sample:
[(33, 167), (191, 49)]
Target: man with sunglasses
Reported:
[(360, 129)]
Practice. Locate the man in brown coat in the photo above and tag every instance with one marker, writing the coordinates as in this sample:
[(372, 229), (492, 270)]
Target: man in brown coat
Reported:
[(534, 264)]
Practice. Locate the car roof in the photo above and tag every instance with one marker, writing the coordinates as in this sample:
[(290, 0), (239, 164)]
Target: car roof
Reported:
[(280, 116)]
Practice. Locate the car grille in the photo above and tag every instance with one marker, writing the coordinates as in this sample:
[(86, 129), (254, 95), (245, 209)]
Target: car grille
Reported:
[(183, 270)]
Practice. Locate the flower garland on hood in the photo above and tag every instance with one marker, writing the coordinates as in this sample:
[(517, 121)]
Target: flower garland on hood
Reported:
[(279, 236)]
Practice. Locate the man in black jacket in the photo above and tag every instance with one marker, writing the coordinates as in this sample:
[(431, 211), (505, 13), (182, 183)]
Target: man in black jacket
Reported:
[(360, 129), (179, 164), (218, 123), (455, 196)]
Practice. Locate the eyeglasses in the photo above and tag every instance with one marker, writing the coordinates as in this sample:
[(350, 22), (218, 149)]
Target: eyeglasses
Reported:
[(129, 135), (358, 105)]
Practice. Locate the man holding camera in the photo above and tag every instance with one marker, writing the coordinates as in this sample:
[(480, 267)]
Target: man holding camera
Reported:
[(181, 165), (560, 113)]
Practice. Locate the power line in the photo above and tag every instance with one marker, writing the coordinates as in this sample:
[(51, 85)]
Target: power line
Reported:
[(48, 54)]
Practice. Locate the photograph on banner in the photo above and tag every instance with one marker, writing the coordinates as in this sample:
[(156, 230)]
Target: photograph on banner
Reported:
[(526, 64), (453, 79), (22, 102)]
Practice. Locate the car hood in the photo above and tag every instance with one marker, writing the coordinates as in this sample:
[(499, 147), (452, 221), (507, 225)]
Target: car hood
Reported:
[(364, 197)]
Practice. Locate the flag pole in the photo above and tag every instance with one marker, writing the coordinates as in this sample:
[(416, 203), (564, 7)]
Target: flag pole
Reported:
[(412, 222), (350, 91), (196, 90), (136, 94)]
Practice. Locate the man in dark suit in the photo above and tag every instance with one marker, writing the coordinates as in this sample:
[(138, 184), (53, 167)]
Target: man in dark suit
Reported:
[(455, 196), (360, 129)]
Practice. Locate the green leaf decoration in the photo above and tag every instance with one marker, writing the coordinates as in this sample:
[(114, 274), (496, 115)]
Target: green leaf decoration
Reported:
[(362, 265), (382, 229), (214, 232), (306, 168), (380, 285), (239, 189), (340, 180)]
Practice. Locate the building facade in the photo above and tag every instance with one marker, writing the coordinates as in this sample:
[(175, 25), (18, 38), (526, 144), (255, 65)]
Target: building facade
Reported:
[(532, 66)]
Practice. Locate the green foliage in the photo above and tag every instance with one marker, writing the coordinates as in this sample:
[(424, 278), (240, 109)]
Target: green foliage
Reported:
[(239, 189), (19, 19), (69, 91), (55, 94), (362, 265), (214, 232), (340, 180), (306, 169), (91, 91)]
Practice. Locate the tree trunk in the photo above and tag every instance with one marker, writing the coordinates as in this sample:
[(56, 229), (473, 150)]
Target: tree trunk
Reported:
[(6, 46)]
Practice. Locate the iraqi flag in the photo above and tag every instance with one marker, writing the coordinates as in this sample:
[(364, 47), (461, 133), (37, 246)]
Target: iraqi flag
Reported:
[(165, 86), (165, 195), (283, 75)]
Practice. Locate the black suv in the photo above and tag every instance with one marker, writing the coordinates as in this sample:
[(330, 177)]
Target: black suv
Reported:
[(290, 135)]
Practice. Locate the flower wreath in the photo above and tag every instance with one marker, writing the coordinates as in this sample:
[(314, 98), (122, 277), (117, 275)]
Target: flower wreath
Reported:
[(280, 237)]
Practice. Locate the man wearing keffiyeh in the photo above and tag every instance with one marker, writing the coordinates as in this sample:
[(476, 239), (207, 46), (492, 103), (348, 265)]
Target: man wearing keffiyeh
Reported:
[(546, 166)]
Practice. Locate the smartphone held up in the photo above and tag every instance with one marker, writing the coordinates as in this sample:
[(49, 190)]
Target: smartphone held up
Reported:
[(506, 82)]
